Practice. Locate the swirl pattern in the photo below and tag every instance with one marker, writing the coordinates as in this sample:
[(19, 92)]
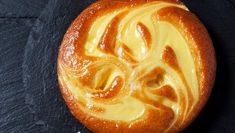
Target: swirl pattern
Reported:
[(135, 66)]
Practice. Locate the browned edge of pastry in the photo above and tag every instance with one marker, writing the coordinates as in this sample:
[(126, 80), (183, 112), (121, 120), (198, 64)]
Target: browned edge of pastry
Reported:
[(190, 27)]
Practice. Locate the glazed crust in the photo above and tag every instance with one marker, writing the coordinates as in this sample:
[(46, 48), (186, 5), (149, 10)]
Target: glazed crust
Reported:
[(195, 31), (200, 47)]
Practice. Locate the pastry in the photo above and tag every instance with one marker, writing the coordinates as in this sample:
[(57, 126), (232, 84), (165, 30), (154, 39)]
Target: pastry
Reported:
[(135, 66)]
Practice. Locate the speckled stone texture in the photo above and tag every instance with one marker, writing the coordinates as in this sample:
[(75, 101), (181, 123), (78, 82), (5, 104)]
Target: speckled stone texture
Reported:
[(40, 69)]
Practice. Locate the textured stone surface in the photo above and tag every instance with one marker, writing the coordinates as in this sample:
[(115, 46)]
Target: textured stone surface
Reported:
[(21, 8), (16, 21), (39, 67), (14, 114)]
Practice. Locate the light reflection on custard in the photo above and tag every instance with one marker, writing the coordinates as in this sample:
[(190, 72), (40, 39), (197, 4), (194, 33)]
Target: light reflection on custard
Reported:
[(130, 63)]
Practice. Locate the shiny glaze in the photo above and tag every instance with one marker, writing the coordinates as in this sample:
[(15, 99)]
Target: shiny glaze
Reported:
[(128, 66)]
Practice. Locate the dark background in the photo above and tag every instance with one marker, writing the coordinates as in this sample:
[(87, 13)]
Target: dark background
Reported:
[(30, 33)]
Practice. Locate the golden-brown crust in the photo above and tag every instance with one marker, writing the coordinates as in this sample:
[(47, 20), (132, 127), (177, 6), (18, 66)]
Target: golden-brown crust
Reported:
[(196, 34), (193, 32), (106, 126)]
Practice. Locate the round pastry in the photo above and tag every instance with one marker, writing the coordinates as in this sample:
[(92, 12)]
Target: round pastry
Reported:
[(136, 66)]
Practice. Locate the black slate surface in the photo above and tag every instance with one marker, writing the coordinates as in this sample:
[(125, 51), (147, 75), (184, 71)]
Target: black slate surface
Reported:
[(40, 70), (21, 8), (30, 100), (16, 21), (12, 106)]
